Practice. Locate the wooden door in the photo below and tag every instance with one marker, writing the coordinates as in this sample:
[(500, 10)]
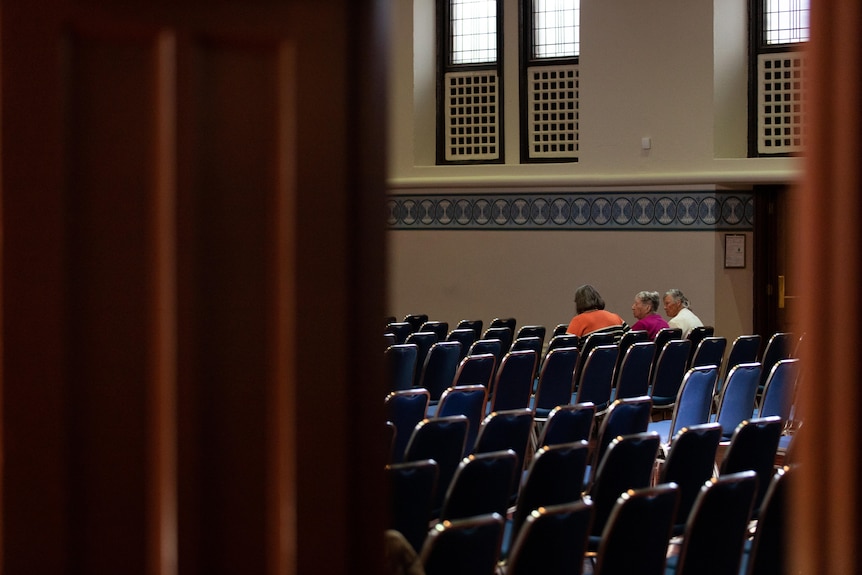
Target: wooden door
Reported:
[(192, 206)]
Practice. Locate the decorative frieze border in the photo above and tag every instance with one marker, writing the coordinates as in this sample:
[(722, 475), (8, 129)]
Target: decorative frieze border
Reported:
[(611, 211)]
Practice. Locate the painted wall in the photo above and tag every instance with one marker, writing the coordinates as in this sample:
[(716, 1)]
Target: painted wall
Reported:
[(673, 71)]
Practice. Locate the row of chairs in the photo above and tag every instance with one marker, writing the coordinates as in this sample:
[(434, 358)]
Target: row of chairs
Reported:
[(554, 479)]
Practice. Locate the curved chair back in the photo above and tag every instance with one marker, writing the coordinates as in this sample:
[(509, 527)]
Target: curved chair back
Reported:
[(736, 402), (464, 546), (405, 409), (553, 539), (630, 337), (718, 526), (589, 343), (513, 383), (389, 339), (474, 324), (627, 464), (744, 349), (664, 335), (696, 335), (668, 372), (710, 351), (690, 462), (753, 447), (530, 343), (476, 369), (400, 360), (415, 320), (441, 439), (637, 533), (538, 331), (631, 379), (780, 389), (509, 322), (423, 341), (465, 337), (597, 377), (568, 424), (556, 380), (624, 417), (441, 363), (560, 329), (694, 399), (441, 328), (400, 329), (503, 430), (504, 334), (777, 348), (564, 340), (411, 495), (482, 484), (466, 400), (770, 550)]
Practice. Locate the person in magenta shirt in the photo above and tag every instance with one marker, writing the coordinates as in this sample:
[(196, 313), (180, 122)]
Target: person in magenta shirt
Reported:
[(645, 308)]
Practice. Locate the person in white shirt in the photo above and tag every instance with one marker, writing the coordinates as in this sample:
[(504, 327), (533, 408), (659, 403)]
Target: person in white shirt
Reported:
[(676, 308)]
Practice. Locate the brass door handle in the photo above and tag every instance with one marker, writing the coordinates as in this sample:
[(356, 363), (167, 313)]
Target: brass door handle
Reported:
[(781, 295)]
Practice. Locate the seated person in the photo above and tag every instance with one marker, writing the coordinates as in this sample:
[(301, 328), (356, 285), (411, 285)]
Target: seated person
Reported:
[(644, 309), (592, 317), (676, 308)]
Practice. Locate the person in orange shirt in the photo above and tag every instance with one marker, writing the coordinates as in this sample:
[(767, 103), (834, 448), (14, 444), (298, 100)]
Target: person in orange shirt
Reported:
[(592, 316)]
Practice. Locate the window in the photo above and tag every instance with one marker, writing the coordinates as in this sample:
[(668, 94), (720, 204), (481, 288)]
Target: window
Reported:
[(549, 83), (469, 98), (778, 96)]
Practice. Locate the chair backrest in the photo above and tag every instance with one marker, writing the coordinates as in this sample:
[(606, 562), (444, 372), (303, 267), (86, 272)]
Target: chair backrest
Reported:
[(503, 430), (630, 337), (389, 339), (753, 447), (439, 369), (464, 546), (468, 400), (736, 402), (694, 400), (690, 462), (556, 380), (588, 343), (482, 484), (492, 346), (476, 369), (637, 532), (405, 409), (513, 383), (710, 351), (400, 361), (778, 347), (474, 324), (415, 320), (624, 417), (560, 329), (529, 343), (554, 477), (400, 329), (465, 337), (553, 539), (568, 424), (717, 528), (509, 322), (780, 389), (744, 349), (411, 494), (441, 328), (441, 439), (504, 334), (664, 335), (564, 340), (770, 547), (538, 331), (423, 341), (696, 335), (597, 377), (668, 371), (631, 379), (627, 464)]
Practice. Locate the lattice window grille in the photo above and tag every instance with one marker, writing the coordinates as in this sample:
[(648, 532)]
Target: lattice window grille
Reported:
[(781, 102), (552, 126), (472, 116)]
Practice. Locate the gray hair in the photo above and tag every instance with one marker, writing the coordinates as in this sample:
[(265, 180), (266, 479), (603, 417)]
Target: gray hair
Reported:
[(650, 297), (677, 296), (587, 298)]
